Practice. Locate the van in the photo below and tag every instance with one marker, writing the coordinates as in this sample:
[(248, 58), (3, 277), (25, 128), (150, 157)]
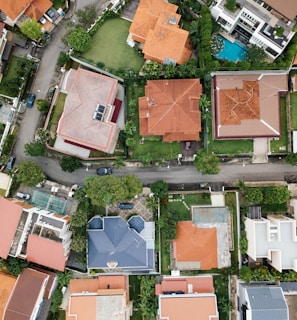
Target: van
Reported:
[(23, 196)]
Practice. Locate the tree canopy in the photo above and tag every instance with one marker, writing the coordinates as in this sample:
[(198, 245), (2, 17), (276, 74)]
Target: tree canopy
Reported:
[(29, 173), (87, 15), (110, 189), (207, 163), (32, 29), (69, 163), (79, 40), (160, 189)]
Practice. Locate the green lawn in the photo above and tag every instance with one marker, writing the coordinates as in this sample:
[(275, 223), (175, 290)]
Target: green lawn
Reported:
[(229, 147), (294, 111), (275, 145), (109, 46), (10, 72), (57, 111)]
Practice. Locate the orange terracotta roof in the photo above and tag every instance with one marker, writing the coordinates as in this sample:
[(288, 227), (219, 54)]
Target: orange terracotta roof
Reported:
[(194, 307), (87, 89), (13, 8), (200, 284), (170, 108), (84, 303), (10, 214), (38, 8), (46, 252), (194, 244), (156, 25), (7, 284), (240, 104), (247, 105)]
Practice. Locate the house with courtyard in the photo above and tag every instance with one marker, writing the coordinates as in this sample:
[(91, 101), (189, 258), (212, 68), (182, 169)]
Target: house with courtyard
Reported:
[(155, 27), (273, 238), (205, 242), (190, 298), (268, 24), (116, 245), (34, 234), (104, 297), (30, 295), (170, 109), (261, 301), (15, 12), (89, 118)]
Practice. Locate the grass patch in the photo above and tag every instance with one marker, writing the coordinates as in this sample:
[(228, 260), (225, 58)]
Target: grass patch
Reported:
[(10, 72), (228, 147), (57, 111), (275, 145), (294, 110), (197, 199), (109, 46), (165, 256), (230, 201), (134, 284), (137, 315), (2, 192), (221, 290)]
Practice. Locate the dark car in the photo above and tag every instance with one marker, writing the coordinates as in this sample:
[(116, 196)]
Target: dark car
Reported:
[(126, 206), (10, 163), (50, 13), (104, 171), (31, 100)]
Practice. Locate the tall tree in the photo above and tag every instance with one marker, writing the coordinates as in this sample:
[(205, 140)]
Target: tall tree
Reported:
[(160, 189), (69, 163), (79, 40), (32, 29), (207, 163), (29, 173), (134, 186)]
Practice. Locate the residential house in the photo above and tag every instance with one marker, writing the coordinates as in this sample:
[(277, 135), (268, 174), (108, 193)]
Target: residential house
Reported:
[(205, 242), (16, 11), (29, 298), (268, 24), (247, 104), (273, 238), (116, 245), (34, 234), (7, 283), (190, 298), (106, 297), (156, 27), (170, 108), (261, 301), (91, 109)]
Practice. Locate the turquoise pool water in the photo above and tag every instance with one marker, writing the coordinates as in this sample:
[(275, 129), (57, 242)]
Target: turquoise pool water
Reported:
[(232, 51)]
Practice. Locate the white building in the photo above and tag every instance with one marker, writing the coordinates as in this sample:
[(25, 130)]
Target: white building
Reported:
[(268, 24), (273, 238)]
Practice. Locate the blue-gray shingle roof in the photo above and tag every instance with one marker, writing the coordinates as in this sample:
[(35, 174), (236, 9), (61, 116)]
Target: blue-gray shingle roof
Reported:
[(267, 303)]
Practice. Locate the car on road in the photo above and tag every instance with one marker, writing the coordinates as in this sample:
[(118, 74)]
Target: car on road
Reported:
[(23, 196), (126, 206), (31, 100), (10, 163), (104, 171)]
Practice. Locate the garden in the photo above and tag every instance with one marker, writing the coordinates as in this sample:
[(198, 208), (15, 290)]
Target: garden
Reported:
[(109, 47), (293, 97)]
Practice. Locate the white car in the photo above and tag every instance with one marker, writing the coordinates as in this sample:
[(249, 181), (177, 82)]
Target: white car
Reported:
[(42, 20)]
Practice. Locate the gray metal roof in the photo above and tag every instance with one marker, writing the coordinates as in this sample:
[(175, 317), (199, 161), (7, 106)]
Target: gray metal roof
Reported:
[(267, 303), (117, 243)]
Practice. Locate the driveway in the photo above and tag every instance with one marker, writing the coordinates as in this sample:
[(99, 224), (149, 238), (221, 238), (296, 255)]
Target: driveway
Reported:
[(130, 9)]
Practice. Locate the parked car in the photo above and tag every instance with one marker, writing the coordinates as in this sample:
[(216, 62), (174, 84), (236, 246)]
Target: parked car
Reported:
[(23, 196), (10, 163), (104, 171), (126, 206), (31, 100), (42, 20), (50, 13)]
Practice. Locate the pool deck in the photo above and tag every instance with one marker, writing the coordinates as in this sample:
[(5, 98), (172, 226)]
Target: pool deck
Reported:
[(227, 36)]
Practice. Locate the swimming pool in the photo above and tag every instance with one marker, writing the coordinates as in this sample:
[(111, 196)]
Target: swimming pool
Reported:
[(232, 51)]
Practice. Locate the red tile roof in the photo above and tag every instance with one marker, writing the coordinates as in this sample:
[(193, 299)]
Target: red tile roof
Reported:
[(247, 105), (46, 252), (195, 244), (10, 214), (25, 295), (170, 108), (7, 283)]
